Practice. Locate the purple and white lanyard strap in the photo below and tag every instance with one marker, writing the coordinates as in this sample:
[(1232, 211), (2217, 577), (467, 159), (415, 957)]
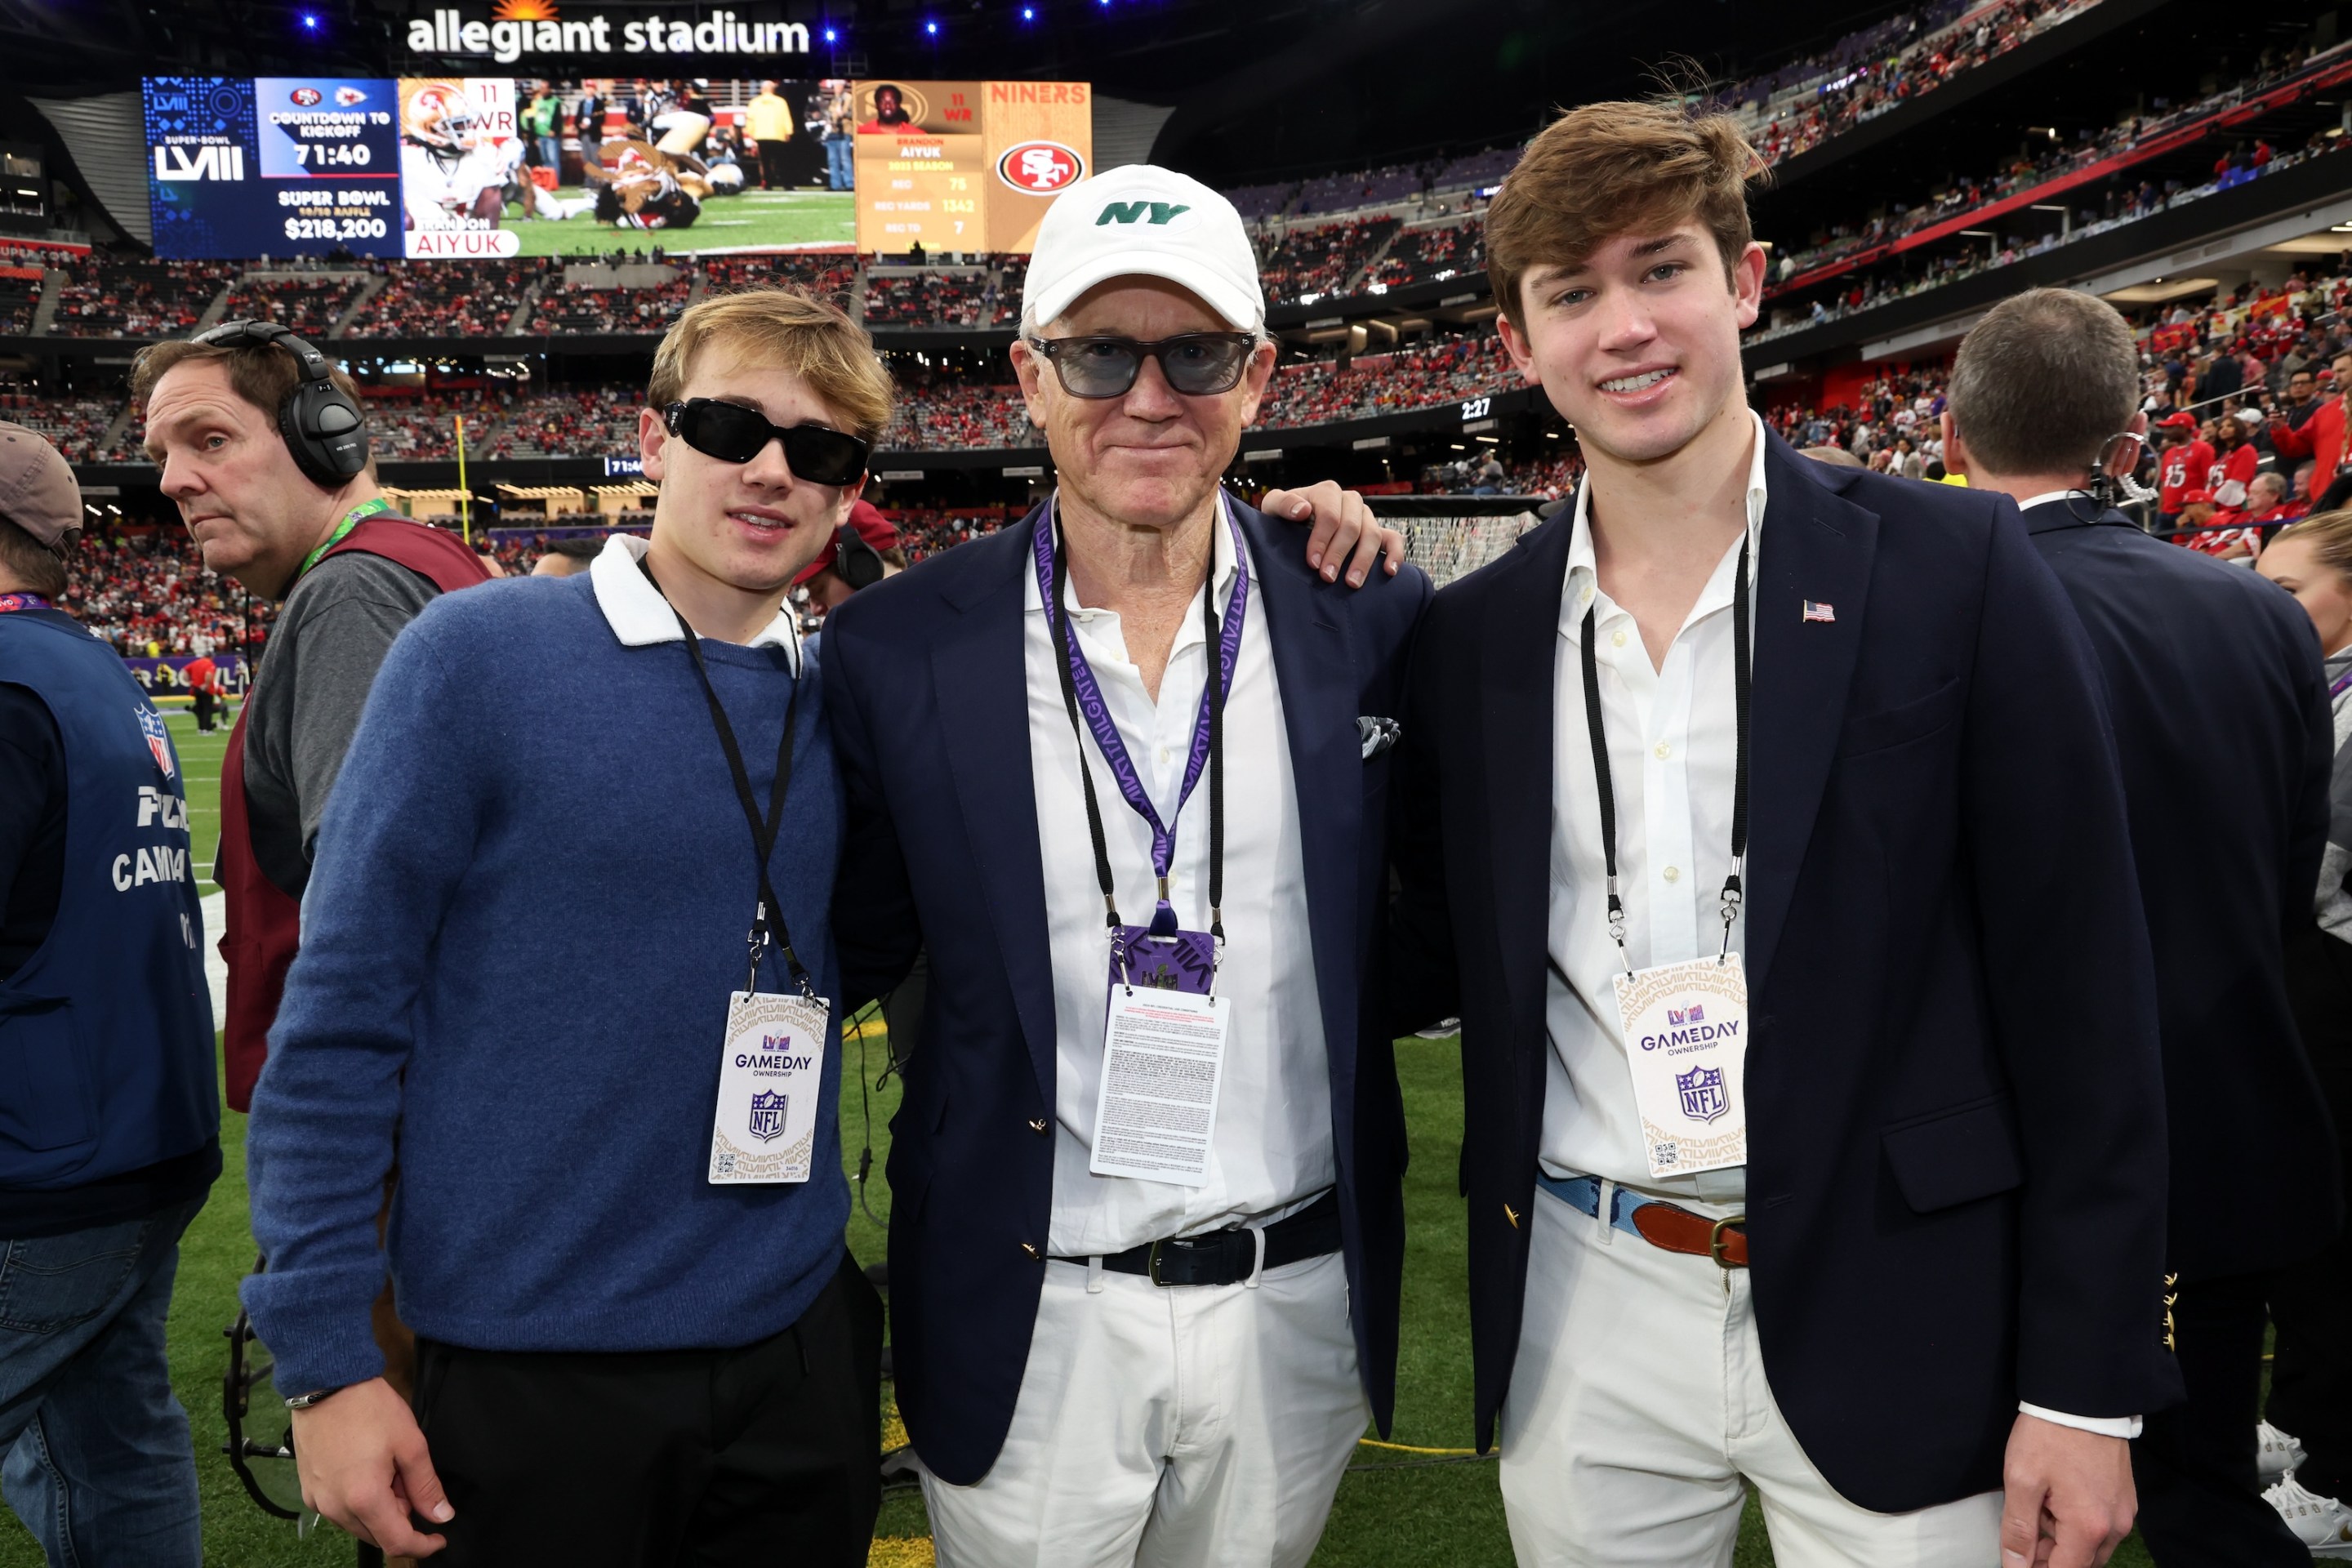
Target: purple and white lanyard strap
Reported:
[(1083, 695)]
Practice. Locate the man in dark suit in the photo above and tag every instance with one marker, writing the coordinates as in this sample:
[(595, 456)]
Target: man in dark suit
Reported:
[(1146, 1242), (2221, 723), (1895, 1261)]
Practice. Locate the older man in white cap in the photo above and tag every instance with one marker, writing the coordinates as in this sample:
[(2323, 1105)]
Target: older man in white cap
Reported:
[(1147, 1232)]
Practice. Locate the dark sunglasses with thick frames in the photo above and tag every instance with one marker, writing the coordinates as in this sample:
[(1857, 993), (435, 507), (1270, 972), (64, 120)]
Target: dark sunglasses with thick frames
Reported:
[(734, 434), (1198, 364)]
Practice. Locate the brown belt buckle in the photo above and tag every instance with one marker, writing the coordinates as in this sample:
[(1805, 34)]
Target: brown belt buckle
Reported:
[(1715, 1241)]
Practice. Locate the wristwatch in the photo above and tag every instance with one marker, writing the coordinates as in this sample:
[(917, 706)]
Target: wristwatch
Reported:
[(304, 1401)]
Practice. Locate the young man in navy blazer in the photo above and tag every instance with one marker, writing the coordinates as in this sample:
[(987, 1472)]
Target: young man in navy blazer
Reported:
[(1826, 751), (1144, 1325)]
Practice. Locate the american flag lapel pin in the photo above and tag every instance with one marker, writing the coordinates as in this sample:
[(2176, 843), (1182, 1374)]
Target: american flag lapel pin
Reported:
[(1819, 612)]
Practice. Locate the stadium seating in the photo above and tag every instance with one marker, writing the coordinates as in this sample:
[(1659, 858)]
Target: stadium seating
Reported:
[(306, 305), (134, 299), (592, 311), (1307, 265), (435, 299)]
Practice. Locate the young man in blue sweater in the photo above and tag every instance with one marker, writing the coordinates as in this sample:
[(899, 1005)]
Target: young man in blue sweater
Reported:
[(618, 1227)]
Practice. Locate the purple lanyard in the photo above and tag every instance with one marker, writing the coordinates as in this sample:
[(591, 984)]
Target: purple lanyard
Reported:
[(1083, 695), (2335, 687), (23, 602)]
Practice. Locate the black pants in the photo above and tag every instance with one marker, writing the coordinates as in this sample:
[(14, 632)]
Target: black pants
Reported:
[(2311, 1380), (204, 709), (769, 1454), (2200, 1503), (771, 164)]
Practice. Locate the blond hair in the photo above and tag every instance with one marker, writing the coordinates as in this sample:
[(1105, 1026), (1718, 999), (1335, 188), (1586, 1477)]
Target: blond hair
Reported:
[(2330, 533), (1631, 166), (786, 328)]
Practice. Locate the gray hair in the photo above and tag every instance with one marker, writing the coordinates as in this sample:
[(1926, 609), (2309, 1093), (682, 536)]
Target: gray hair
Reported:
[(2044, 382)]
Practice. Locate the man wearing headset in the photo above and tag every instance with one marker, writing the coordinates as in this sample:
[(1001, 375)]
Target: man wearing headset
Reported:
[(263, 445)]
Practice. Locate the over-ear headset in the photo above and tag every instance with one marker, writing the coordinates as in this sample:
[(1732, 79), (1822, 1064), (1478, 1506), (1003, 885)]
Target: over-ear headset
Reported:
[(322, 427), (855, 562)]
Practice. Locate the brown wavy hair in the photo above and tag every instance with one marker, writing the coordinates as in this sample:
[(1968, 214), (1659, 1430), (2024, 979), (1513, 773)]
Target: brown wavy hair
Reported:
[(1628, 166)]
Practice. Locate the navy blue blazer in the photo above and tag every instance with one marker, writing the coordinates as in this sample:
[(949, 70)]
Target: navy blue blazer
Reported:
[(2221, 719), (1956, 1123), (926, 687)]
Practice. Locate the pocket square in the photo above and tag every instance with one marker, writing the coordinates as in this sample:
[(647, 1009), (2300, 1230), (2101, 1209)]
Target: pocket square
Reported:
[(1378, 734)]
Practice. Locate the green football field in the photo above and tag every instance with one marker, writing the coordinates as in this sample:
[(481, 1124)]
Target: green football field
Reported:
[(1395, 1508), (745, 221)]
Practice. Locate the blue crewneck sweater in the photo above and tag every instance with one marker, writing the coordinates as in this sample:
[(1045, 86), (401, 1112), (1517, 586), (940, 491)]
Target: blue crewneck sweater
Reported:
[(528, 907)]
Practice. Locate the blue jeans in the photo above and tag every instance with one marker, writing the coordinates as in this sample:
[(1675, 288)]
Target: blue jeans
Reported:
[(100, 1465), (839, 166), (550, 155)]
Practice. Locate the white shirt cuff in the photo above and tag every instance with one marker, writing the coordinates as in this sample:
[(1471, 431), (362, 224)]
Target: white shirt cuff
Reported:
[(2105, 1425)]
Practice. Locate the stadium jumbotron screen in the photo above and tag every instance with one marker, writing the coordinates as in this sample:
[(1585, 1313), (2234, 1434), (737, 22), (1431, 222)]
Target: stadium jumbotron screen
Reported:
[(465, 167), (457, 166)]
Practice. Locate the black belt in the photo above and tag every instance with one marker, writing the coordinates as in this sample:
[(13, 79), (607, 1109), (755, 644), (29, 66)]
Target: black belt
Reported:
[(1230, 1256)]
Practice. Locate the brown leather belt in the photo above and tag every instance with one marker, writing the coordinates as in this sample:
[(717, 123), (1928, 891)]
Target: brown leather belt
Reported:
[(1661, 1224)]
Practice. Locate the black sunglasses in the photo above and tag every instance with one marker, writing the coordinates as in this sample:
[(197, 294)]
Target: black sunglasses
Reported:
[(1198, 364), (734, 434)]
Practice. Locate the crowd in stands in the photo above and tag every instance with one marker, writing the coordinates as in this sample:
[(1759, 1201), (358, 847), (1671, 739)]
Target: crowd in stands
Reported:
[(1305, 265), (2056, 163), (591, 310), (1905, 277), (20, 299), (942, 412), (308, 304), (589, 420), (75, 425), (1439, 369), (112, 298), (1429, 256), (436, 299), (1485, 473), (1887, 66), (961, 299), (148, 594), (826, 275)]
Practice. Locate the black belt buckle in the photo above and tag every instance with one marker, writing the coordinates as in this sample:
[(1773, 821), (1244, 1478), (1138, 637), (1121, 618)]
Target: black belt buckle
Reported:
[(1152, 1263)]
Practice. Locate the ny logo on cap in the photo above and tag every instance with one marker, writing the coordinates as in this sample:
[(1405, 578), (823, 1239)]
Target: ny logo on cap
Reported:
[(1129, 212)]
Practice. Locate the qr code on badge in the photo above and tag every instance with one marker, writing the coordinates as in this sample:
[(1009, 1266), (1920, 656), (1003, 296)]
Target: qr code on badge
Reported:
[(1664, 1153), (722, 1160)]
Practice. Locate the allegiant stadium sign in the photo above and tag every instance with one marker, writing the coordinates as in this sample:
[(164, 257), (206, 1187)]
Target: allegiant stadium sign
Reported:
[(515, 29)]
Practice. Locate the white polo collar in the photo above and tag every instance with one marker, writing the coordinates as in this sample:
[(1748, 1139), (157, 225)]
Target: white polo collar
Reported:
[(641, 617)]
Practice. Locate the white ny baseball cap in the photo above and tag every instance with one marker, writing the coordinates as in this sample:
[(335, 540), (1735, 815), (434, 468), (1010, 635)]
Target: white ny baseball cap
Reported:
[(1148, 222)]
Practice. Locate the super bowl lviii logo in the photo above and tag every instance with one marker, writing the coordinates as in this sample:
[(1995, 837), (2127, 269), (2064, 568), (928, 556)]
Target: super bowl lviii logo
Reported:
[(1041, 168)]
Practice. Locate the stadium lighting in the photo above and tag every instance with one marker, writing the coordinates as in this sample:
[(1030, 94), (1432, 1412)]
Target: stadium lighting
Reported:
[(828, 34), (1028, 13), (309, 21), (932, 28)]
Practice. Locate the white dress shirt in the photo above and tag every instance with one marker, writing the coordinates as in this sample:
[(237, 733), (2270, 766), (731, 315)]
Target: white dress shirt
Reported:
[(1272, 1149), (1672, 752)]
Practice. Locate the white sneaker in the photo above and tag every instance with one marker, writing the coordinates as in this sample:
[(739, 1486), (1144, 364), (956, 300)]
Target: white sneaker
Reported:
[(2323, 1525), (2276, 1453)]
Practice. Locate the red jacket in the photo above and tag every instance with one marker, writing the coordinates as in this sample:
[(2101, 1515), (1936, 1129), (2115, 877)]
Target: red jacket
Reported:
[(2320, 439)]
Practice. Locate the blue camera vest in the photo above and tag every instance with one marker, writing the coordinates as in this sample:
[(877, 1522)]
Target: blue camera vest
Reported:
[(106, 1034)]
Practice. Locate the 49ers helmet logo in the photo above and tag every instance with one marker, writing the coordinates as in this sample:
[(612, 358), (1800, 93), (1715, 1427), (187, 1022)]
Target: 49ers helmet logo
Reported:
[(1041, 168)]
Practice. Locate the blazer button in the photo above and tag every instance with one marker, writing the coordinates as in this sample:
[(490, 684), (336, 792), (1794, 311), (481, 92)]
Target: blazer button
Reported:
[(1031, 1249), (1038, 1126)]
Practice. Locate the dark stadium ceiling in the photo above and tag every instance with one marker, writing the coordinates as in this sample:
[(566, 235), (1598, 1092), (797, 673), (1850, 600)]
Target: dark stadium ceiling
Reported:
[(1259, 88)]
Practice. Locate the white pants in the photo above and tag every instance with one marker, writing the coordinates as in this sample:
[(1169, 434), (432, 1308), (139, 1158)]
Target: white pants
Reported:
[(1189, 1426), (1637, 1405)]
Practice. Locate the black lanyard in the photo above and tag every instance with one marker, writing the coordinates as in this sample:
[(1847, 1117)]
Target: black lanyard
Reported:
[(1057, 616), (769, 915), (1593, 722)]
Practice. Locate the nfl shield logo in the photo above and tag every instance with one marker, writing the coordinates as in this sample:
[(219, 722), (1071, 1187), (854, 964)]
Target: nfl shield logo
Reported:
[(159, 740), (1702, 1092), (768, 1115)]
